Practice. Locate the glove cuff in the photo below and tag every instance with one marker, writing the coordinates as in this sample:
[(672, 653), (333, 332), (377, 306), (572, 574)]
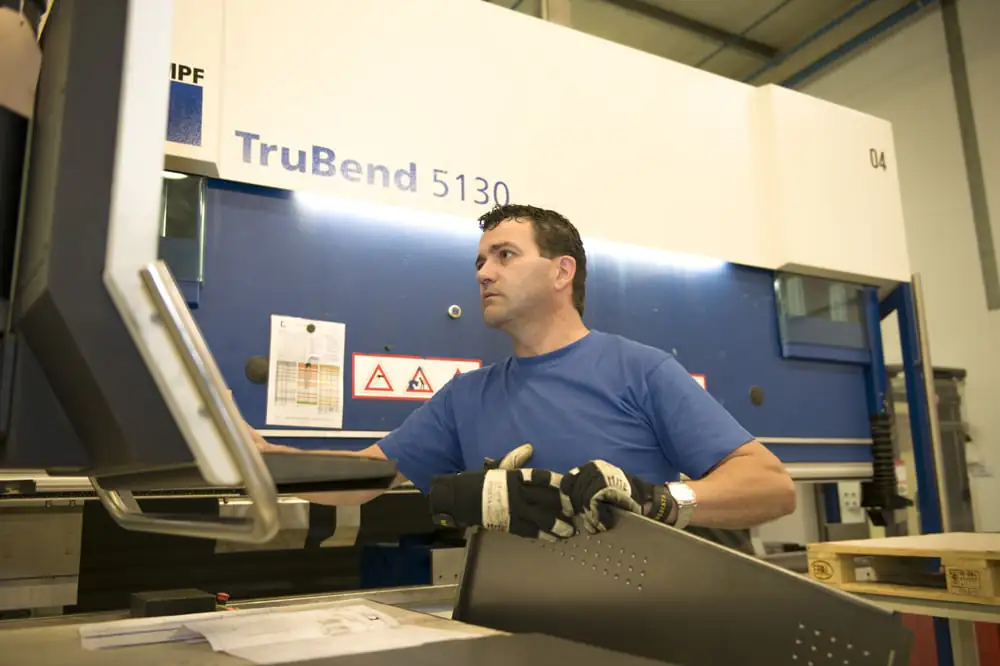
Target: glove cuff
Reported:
[(662, 504), (456, 499)]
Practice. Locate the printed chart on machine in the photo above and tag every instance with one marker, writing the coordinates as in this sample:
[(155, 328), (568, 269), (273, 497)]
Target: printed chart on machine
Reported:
[(306, 373)]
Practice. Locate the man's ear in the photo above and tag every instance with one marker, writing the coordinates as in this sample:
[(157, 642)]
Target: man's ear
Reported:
[(566, 270)]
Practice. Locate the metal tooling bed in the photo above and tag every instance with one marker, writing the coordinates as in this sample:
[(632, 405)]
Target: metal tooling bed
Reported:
[(640, 589)]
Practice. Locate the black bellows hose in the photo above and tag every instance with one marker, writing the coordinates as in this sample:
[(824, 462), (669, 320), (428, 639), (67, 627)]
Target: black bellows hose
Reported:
[(880, 496)]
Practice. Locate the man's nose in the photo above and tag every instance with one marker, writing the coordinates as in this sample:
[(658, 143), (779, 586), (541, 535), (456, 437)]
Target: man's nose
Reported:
[(485, 275)]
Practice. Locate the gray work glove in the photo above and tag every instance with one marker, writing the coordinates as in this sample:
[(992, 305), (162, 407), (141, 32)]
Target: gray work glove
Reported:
[(594, 488), (515, 459), (524, 502)]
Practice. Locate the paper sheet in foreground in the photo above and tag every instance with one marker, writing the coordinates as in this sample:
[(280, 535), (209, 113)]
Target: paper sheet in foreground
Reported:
[(313, 634)]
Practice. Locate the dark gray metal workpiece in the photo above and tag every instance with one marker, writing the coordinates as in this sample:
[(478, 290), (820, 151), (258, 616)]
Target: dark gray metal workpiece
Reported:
[(655, 591)]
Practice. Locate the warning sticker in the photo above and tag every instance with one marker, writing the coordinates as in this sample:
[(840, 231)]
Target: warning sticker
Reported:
[(419, 383), (389, 377), (378, 381)]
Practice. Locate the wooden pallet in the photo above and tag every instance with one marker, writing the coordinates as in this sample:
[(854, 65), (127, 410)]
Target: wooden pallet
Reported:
[(958, 566)]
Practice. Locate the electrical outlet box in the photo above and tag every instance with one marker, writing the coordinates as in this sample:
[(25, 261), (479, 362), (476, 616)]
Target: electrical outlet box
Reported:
[(849, 495)]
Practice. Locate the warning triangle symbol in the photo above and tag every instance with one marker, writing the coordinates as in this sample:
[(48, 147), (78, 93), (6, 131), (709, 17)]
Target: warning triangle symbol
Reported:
[(378, 381), (419, 383)]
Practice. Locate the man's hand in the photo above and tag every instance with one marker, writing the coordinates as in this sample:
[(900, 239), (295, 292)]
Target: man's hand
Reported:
[(524, 502), (593, 489), (515, 459), (265, 446)]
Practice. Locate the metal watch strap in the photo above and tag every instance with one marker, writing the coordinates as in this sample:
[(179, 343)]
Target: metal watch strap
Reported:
[(685, 500)]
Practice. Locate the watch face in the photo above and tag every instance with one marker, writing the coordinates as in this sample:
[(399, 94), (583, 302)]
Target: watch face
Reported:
[(682, 493)]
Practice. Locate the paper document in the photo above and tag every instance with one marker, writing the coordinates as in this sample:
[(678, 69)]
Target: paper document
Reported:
[(271, 636), (140, 631), (305, 385), (321, 648), (312, 634)]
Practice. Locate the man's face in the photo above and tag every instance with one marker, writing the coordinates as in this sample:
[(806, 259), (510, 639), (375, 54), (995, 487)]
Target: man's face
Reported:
[(514, 279)]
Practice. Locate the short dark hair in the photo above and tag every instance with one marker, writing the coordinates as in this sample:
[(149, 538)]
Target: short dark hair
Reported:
[(555, 236)]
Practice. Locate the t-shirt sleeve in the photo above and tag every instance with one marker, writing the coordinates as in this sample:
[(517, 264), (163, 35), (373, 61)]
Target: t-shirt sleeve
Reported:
[(426, 443), (695, 431)]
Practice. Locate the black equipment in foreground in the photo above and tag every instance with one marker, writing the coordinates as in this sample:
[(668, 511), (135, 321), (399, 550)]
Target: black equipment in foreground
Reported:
[(103, 371), (651, 590)]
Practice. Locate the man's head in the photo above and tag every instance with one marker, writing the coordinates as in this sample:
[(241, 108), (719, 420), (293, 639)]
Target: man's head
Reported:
[(531, 263)]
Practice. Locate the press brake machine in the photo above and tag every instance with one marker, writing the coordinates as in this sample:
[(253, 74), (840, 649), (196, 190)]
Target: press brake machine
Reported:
[(113, 375)]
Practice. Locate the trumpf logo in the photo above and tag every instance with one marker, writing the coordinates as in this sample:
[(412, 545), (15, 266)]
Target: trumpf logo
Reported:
[(186, 101)]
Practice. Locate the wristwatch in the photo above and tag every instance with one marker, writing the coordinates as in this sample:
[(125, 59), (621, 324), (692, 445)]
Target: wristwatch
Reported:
[(685, 500)]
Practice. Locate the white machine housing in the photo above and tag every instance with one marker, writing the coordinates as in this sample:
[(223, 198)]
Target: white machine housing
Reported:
[(631, 147)]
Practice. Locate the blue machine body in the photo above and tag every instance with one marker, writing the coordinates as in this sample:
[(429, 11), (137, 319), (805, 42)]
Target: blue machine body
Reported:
[(391, 275)]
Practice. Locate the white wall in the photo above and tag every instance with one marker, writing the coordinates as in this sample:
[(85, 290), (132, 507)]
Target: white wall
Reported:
[(905, 78)]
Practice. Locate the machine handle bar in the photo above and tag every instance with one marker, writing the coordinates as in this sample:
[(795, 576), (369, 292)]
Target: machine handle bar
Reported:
[(263, 522)]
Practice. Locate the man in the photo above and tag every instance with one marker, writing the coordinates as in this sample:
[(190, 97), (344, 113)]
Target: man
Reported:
[(609, 421)]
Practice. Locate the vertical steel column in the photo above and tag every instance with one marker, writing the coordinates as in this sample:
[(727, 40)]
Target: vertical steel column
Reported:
[(919, 376), (901, 300), (930, 396)]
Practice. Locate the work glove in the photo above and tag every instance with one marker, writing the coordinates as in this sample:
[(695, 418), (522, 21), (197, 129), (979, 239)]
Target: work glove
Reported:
[(515, 459), (526, 502), (595, 488)]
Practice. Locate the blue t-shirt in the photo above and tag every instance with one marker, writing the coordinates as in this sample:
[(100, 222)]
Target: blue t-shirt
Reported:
[(602, 397)]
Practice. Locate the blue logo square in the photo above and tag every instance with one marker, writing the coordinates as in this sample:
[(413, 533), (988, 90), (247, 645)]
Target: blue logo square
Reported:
[(184, 116)]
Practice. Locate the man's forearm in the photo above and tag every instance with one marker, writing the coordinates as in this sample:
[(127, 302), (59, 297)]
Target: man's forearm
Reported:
[(743, 493)]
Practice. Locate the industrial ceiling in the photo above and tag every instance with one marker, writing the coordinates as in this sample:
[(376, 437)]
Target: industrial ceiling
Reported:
[(754, 41)]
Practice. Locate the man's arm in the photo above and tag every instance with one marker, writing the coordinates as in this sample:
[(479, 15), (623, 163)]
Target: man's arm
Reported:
[(737, 482), (749, 487)]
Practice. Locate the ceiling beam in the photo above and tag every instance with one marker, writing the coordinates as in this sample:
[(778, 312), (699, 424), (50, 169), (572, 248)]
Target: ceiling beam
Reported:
[(697, 27)]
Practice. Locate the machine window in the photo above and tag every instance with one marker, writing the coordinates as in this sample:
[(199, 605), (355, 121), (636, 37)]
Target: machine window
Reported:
[(182, 231), (822, 319), (182, 206)]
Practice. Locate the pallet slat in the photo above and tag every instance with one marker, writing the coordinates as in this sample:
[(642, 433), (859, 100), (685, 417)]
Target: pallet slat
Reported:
[(960, 567)]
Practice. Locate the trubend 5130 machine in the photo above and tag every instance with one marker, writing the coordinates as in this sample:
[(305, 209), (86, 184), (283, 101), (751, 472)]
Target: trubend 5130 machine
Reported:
[(105, 375)]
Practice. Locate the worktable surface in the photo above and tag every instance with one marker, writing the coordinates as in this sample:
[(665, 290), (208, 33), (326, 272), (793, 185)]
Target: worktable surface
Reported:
[(57, 643)]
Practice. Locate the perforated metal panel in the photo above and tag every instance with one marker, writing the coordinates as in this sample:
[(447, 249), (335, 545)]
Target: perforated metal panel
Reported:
[(654, 591)]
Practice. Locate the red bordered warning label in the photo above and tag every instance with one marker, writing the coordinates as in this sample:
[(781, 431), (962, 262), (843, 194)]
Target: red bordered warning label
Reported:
[(379, 382), (393, 377), (419, 383)]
